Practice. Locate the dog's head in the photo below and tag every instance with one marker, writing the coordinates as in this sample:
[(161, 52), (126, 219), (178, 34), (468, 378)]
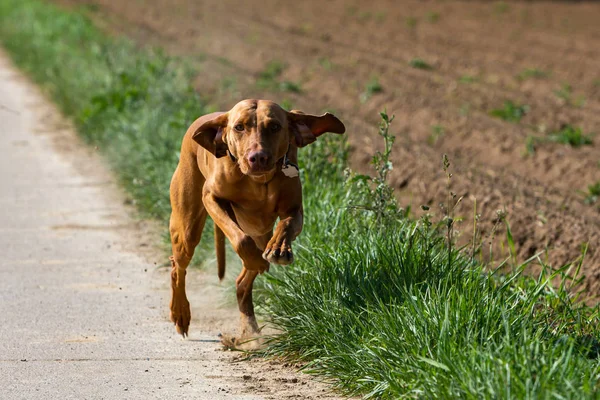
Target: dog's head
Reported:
[(258, 133)]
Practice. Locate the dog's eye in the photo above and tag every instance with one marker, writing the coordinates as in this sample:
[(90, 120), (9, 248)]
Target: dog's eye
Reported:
[(275, 127), (239, 127)]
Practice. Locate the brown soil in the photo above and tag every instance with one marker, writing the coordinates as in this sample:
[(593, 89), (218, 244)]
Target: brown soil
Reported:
[(334, 48)]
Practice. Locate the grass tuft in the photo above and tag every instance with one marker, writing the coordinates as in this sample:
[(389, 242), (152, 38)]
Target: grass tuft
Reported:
[(565, 93), (593, 193), (468, 79), (270, 79), (511, 112), (532, 73), (571, 135), (372, 87), (420, 64), (433, 16)]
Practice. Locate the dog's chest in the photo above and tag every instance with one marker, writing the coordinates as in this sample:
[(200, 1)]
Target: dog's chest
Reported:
[(256, 210)]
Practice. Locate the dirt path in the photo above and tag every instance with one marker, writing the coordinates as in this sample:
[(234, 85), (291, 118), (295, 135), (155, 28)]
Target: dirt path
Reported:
[(543, 54), (83, 295)]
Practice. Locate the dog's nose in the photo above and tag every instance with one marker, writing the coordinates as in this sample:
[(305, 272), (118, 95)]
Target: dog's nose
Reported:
[(258, 159)]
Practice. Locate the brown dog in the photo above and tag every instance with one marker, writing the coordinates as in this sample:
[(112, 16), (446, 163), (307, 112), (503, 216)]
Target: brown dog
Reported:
[(239, 167)]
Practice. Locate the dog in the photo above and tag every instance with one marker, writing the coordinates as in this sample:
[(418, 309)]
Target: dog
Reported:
[(240, 167)]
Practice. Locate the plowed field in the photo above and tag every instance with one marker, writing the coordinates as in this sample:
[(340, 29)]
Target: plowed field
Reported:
[(440, 67)]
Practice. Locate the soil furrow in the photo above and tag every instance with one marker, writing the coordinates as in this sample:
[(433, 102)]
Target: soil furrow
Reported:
[(352, 58)]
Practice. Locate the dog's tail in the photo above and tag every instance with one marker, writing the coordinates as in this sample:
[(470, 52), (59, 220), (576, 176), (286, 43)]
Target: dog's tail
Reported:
[(220, 249)]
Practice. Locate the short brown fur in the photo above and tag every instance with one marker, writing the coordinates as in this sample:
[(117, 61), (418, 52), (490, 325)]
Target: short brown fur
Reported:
[(231, 169)]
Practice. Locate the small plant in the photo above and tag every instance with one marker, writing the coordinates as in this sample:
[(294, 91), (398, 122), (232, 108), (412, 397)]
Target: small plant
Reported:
[(565, 92), (531, 143), (500, 7), (475, 239), (326, 63), (437, 131), (306, 28), (269, 79), (465, 109), (379, 195), (568, 134), (289, 86), (372, 87), (433, 16), (468, 79), (593, 193), (224, 61), (573, 136), (228, 85), (380, 16), (449, 208), (511, 112), (419, 64), (411, 22), (253, 38), (287, 105), (532, 73), (364, 16)]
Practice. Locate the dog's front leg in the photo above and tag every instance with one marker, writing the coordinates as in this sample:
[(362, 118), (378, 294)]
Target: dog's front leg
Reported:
[(246, 247), (279, 248), (219, 210)]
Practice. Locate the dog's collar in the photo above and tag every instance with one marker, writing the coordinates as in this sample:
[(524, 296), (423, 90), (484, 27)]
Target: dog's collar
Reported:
[(288, 168), (231, 156)]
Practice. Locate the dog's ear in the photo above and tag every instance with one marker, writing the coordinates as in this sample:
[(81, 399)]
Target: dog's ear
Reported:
[(307, 128), (210, 134)]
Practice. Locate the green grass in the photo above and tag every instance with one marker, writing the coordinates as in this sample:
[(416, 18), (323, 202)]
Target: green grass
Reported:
[(501, 7), (411, 22), (326, 63), (565, 93), (571, 135), (270, 79), (419, 63), (437, 132), (511, 112), (433, 16), (568, 134), (468, 79), (135, 105), (372, 87), (376, 303), (532, 73), (382, 308), (593, 193)]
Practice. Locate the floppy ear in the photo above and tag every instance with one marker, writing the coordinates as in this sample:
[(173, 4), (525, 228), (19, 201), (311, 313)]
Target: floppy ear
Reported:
[(307, 128), (210, 133)]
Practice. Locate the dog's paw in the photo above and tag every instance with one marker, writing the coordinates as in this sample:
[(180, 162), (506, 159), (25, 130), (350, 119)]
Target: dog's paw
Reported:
[(230, 342), (249, 338), (278, 252), (181, 315)]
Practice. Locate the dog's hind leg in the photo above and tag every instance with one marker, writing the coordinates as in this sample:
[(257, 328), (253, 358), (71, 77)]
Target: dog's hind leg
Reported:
[(186, 224)]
